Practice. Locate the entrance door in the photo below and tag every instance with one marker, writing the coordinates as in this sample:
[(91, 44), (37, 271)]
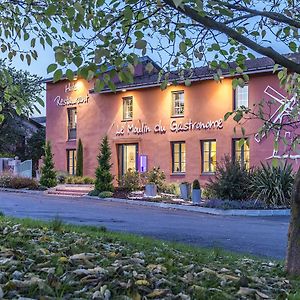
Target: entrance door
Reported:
[(128, 155)]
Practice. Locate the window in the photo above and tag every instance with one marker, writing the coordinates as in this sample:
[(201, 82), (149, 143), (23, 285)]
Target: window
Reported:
[(72, 123), (177, 104), (71, 161), (127, 108), (178, 157), (209, 156), (241, 152), (241, 97)]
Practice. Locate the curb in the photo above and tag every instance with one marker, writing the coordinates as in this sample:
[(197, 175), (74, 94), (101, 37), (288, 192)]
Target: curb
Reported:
[(21, 191), (192, 208), (204, 210)]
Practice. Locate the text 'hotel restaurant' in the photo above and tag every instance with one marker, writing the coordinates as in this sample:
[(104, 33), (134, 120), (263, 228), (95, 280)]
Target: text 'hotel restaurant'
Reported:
[(180, 129)]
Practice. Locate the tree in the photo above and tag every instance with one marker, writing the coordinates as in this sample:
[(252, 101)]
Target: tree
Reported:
[(79, 165), (48, 177), (104, 177), (34, 149), (180, 33)]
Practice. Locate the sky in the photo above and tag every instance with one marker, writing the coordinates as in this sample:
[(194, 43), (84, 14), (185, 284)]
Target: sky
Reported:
[(46, 57)]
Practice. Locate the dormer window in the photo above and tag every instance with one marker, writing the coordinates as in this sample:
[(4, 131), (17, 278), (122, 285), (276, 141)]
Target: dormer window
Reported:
[(127, 108), (178, 104)]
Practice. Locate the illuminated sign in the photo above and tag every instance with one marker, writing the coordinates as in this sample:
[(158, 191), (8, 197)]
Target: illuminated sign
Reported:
[(60, 101), (175, 127)]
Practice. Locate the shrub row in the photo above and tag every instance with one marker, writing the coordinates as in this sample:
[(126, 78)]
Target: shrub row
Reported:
[(14, 182), (269, 184)]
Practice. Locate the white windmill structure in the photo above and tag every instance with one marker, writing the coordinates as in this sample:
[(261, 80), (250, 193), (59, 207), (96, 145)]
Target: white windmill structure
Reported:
[(284, 110)]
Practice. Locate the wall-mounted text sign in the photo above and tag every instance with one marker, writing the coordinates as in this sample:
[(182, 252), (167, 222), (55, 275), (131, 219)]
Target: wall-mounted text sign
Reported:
[(60, 101), (71, 87), (175, 126)]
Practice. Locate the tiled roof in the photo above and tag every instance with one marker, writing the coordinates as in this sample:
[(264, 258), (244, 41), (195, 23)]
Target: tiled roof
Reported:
[(258, 65)]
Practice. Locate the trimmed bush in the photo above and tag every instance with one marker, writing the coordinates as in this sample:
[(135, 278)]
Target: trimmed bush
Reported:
[(104, 177), (79, 180), (130, 181), (169, 188), (93, 193), (232, 181), (48, 177), (79, 163), (61, 176), (23, 183), (155, 176), (273, 184), (5, 179), (105, 194)]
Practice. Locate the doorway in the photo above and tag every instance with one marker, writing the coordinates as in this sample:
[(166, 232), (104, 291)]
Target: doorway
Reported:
[(127, 158)]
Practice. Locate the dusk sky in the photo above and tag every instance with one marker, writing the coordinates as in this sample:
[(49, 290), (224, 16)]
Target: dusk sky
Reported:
[(46, 57)]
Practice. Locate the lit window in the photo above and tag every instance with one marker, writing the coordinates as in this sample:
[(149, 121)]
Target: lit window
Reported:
[(241, 97), (209, 156), (71, 161), (241, 152), (178, 157), (72, 123), (177, 104), (127, 108)]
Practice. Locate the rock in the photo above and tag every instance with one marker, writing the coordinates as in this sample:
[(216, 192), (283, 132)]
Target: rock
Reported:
[(244, 291), (86, 272), (156, 268), (17, 275), (262, 295), (158, 293), (1, 293), (142, 282)]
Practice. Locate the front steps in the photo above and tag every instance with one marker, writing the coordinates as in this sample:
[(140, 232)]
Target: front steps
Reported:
[(71, 190)]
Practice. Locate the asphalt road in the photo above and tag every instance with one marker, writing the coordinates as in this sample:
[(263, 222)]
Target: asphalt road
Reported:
[(261, 236)]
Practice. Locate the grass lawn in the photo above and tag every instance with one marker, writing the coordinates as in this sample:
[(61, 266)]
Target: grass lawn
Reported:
[(56, 261)]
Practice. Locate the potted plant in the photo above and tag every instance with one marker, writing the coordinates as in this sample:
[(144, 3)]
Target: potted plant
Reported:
[(196, 193), (185, 190), (150, 189)]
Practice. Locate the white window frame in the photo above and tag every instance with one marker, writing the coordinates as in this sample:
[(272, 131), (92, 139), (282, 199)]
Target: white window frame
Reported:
[(178, 104), (127, 108), (241, 97)]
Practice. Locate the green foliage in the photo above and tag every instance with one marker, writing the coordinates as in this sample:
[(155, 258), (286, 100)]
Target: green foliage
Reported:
[(196, 184), (79, 180), (130, 181), (105, 194), (155, 176), (34, 148), (169, 188), (5, 179), (231, 181), (23, 183), (93, 193), (273, 184), (15, 182), (104, 177), (57, 224), (79, 165), (48, 177), (19, 93)]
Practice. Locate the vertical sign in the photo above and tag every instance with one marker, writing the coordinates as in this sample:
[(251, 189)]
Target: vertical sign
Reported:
[(143, 163)]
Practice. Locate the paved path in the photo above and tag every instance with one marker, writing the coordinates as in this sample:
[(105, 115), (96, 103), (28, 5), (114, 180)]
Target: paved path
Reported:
[(263, 236)]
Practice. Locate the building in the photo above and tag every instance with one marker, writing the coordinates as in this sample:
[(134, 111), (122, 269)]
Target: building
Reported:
[(179, 129)]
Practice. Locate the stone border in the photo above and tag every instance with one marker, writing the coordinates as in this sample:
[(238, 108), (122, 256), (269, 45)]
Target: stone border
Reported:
[(22, 191), (199, 209)]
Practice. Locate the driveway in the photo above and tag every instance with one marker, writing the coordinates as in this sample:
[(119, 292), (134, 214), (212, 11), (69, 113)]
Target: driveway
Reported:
[(262, 236)]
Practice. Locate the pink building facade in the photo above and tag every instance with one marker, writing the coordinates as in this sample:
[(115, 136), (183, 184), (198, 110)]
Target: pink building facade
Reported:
[(180, 129)]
